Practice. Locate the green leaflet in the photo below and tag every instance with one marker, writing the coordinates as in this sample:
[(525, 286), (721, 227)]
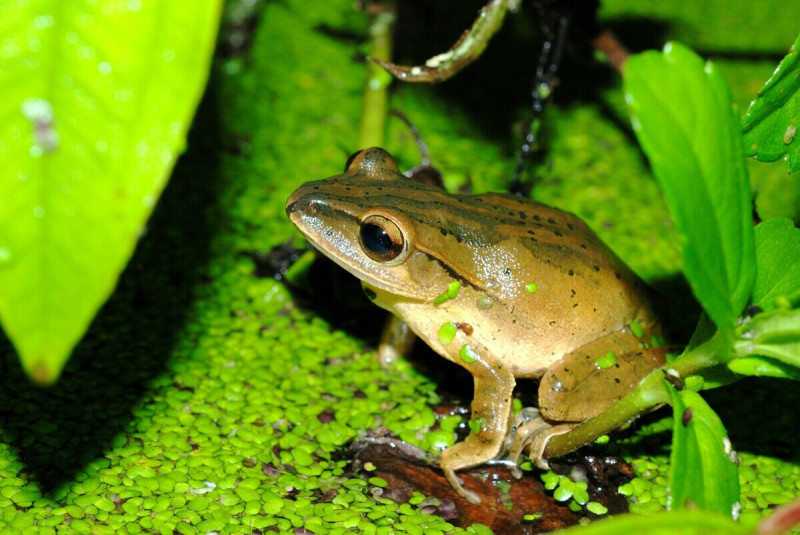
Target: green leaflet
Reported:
[(771, 122)]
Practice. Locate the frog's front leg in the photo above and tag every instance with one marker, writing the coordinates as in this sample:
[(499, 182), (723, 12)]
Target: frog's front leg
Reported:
[(491, 412), (396, 340)]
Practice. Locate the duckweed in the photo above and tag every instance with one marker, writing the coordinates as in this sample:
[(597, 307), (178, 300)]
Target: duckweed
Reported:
[(467, 354), (609, 360), (596, 508), (451, 293), (447, 332), (636, 329)]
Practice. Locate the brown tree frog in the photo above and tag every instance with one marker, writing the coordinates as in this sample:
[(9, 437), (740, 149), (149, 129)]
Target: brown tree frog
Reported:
[(504, 286)]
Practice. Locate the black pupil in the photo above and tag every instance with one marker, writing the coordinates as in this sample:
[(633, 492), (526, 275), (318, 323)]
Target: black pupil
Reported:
[(375, 239)]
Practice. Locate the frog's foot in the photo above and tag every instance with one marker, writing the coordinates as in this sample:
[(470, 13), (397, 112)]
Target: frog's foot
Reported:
[(532, 431), (514, 443), (456, 483), (541, 437)]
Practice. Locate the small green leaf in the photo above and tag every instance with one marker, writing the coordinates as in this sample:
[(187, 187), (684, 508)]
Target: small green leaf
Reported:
[(771, 122), (763, 367), (774, 334), (685, 522), (777, 261), (97, 99), (701, 453), (682, 114)]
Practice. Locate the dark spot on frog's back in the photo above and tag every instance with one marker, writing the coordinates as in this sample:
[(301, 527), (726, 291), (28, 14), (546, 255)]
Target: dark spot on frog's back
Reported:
[(370, 294)]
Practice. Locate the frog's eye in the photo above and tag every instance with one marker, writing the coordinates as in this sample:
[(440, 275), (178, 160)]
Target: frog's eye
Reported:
[(350, 160), (381, 238)]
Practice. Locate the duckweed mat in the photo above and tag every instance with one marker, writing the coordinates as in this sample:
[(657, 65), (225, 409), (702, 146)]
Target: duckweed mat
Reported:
[(207, 398)]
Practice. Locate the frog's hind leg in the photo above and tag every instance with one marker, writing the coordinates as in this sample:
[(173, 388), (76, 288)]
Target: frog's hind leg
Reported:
[(587, 381)]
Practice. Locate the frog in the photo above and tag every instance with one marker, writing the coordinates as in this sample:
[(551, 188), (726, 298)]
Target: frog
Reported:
[(506, 287)]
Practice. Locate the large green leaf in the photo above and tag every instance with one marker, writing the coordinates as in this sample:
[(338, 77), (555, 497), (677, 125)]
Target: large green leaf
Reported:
[(771, 122), (683, 522), (682, 114), (777, 262), (703, 469), (97, 99)]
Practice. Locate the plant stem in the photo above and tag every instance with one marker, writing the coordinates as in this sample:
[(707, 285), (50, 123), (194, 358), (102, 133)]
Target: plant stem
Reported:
[(373, 112)]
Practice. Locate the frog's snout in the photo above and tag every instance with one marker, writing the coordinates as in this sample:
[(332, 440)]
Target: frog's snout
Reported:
[(300, 203), (291, 203)]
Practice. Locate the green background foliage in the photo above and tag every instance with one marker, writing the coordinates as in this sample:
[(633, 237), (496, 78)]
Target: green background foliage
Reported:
[(226, 401)]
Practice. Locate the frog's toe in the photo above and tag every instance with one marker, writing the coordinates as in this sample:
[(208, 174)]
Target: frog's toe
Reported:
[(540, 440), (456, 483), (510, 464)]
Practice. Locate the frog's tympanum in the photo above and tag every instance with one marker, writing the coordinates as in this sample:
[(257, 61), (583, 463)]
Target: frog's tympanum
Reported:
[(503, 286)]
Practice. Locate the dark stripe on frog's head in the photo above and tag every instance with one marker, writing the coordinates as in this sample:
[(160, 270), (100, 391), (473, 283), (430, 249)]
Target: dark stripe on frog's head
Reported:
[(477, 220)]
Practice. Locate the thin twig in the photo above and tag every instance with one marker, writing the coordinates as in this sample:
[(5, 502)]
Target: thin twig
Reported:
[(373, 112)]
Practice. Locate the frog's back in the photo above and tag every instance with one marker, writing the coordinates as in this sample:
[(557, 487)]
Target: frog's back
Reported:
[(556, 285)]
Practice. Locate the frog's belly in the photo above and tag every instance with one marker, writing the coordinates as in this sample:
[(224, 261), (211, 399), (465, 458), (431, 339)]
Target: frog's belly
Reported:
[(528, 349)]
